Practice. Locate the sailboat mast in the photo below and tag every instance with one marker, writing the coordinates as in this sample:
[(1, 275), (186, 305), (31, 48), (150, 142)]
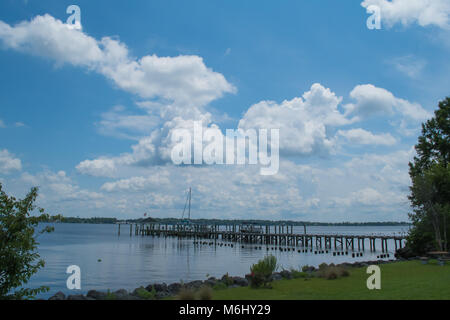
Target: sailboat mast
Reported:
[(189, 214)]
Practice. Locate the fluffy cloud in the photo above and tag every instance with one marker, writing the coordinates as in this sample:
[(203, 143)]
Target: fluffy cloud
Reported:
[(102, 167), (8, 162), (361, 136), (371, 100), (423, 12), (175, 92), (58, 193), (387, 168), (409, 65), (307, 125), (302, 122), (154, 149), (117, 123), (370, 184), (367, 187), (184, 80), (158, 179)]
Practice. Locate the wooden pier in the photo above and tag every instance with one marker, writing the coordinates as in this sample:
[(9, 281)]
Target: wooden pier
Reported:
[(282, 235)]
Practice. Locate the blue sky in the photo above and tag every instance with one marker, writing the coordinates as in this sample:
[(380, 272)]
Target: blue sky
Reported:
[(85, 114)]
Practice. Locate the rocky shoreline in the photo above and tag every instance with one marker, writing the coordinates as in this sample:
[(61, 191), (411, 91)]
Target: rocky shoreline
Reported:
[(159, 291)]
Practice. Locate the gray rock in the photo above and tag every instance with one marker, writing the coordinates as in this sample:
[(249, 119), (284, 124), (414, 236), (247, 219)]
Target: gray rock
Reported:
[(121, 294), (76, 297), (160, 287), (286, 274), (96, 295), (194, 284), (162, 294), (174, 288), (241, 282), (210, 282), (276, 276), (58, 296)]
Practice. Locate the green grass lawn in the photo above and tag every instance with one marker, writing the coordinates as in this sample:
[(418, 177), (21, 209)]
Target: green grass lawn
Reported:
[(400, 280)]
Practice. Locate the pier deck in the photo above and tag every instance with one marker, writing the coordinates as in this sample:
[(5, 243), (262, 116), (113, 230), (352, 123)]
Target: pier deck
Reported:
[(269, 235)]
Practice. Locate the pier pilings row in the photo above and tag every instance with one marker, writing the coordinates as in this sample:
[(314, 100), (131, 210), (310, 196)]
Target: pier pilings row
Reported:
[(270, 235)]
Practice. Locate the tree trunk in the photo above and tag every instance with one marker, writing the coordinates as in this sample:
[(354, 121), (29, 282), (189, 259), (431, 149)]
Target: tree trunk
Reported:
[(445, 232), (436, 227)]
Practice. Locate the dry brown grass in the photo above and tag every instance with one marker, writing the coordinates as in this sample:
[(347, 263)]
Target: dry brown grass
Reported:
[(332, 272), (186, 294), (205, 293)]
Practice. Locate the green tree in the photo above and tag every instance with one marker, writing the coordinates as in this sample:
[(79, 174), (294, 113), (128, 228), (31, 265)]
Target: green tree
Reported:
[(430, 190), (19, 259)]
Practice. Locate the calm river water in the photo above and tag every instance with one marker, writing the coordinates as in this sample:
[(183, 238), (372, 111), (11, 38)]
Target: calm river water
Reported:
[(109, 261)]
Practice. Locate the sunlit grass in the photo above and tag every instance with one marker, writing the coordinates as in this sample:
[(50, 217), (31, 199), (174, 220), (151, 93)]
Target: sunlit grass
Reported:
[(401, 280)]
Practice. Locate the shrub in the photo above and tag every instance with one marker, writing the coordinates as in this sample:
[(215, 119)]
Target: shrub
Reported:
[(298, 274), (343, 272), (205, 293), (323, 266), (332, 272), (227, 280), (219, 286), (257, 280), (144, 294), (306, 268), (110, 296), (261, 272), (186, 294)]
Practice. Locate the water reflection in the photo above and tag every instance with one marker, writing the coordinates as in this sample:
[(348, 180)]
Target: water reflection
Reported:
[(129, 262)]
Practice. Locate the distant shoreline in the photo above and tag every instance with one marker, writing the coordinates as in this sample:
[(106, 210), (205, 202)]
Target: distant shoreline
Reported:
[(99, 220)]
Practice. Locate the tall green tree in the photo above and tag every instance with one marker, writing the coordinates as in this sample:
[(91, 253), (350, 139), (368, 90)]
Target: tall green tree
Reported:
[(19, 258), (430, 190)]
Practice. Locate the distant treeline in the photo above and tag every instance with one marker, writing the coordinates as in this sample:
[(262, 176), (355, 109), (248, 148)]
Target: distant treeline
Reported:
[(98, 220), (94, 220)]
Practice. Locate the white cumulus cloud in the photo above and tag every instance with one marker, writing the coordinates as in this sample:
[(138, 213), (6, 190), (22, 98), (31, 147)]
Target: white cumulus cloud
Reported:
[(302, 121), (406, 12), (8, 162), (361, 136), (371, 100), (184, 80)]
